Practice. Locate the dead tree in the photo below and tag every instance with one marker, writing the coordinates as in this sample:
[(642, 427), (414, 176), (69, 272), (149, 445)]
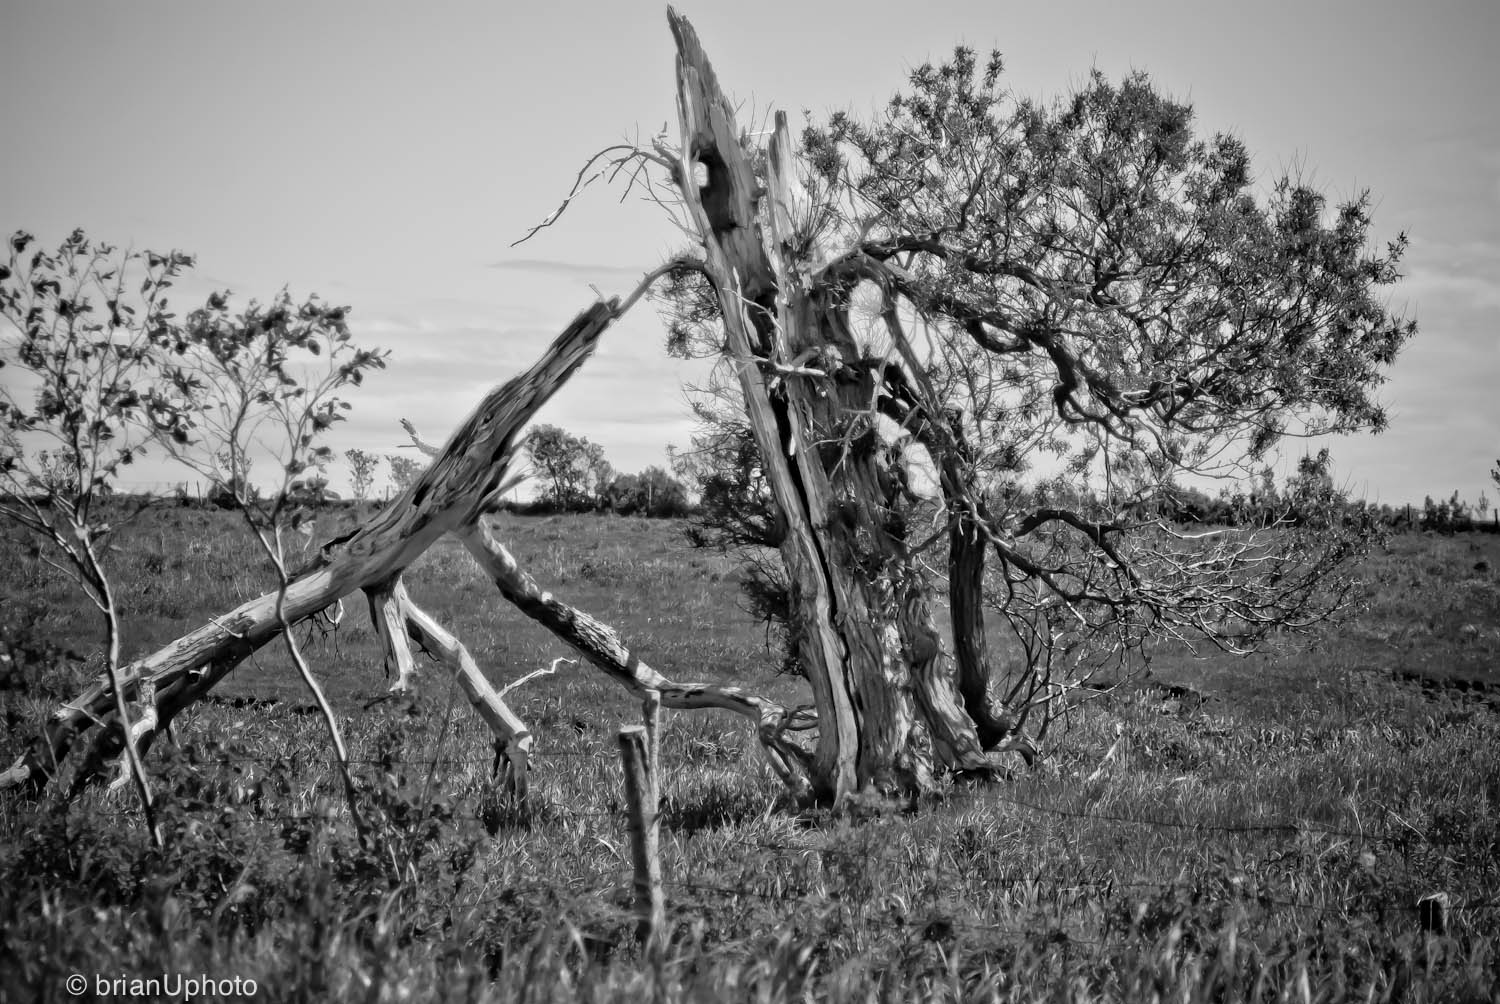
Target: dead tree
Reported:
[(869, 643), (1090, 284), (1093, 285), (448, 495), (465, 477), (602, 646)]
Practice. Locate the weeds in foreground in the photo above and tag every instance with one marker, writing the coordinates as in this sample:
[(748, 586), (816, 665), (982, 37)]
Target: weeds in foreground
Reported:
[(1269, 849), (1246, 863)]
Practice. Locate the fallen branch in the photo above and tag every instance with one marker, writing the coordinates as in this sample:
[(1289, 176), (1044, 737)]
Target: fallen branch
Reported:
[(512, 739), (535, 673), (386, 615), (602, 646), (139, 728), (450, 493)]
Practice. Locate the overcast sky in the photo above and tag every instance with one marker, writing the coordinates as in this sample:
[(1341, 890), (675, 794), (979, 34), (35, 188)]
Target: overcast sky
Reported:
[(385, 155)]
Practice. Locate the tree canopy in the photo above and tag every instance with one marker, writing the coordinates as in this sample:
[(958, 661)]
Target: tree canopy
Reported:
[(1051, 314), (571, 467)]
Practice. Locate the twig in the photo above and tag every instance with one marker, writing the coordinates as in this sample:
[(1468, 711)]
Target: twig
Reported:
[(611, 169), (1109, 756), (535, 673)]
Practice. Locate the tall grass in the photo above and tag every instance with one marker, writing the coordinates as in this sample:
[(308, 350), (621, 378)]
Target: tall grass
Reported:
[(1271, 844)]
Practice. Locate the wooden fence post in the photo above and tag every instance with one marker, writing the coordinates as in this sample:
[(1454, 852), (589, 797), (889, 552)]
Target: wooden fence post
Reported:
[(651, 712), (515, 787), (649, 907), (1432, 913)]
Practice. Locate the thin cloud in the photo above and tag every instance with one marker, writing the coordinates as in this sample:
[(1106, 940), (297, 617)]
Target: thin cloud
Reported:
[(569, 268), (1430, 288)]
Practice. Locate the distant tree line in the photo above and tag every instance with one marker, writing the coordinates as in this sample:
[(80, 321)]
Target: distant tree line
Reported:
[(1265, 503), (1239, 508), (574, 476), (1450, 515), (733, 508)]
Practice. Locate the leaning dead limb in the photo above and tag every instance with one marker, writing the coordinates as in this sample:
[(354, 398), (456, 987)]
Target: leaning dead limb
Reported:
[(513, 739), (449, 494), (603, 647), (467, 474)]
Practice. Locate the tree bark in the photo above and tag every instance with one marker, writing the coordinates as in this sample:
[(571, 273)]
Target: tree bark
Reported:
[(915, 406), (724, 211), (386, 614), (863, 626), (976, 681)]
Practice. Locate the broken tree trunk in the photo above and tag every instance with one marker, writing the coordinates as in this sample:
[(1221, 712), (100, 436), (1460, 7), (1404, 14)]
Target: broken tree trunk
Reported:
[(916, 409), (888, 708), (451, 493)]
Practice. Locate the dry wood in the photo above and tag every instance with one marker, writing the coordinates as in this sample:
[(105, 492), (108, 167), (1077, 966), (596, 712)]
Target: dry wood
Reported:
[(476, 458), (512, 739), (603, 647), (642, 812), (724, 211), (867, 637), (651, 714), (385, 614), (138, 728), (537, 674), (449, 494)]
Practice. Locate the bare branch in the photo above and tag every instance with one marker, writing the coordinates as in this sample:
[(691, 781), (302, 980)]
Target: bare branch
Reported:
[(614, 161), (537, 673)]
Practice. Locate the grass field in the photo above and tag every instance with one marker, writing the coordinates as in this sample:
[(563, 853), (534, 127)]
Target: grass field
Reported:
[(1271, 842)]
